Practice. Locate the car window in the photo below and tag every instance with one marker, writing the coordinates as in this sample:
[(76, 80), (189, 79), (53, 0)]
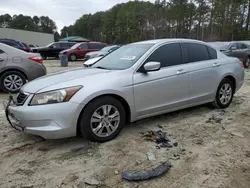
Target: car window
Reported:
[(56, 45), (64, 45), (167, 55), (212, 53), (83, 46), (1, 51), (96, 46), (233, 45), (242, 46), (195, 52), (71, 44)]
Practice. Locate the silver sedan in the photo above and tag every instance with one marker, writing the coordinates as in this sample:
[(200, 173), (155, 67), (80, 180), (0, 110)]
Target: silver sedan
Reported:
[(136, 81), (17, 67)]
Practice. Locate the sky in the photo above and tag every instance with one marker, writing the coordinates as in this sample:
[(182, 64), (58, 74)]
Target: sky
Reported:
[(63, 12)]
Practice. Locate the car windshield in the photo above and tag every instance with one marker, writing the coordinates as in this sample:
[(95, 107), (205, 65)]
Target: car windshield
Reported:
[(75, 46), (123, 58), (106, 49), (220, 46)]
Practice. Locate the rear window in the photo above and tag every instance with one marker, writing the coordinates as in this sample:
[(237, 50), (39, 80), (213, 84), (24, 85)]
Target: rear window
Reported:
[(195, 52), (212, 53)]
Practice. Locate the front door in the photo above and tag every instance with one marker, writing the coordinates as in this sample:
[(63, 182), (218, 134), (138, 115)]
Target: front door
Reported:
[(163, 90)]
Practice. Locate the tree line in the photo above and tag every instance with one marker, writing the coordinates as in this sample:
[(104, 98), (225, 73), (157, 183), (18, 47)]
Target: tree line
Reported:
[(207, 20), (39, 24)]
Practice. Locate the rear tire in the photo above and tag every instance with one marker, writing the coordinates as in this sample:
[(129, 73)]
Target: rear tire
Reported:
[(72, 57), (96, 125), (224, 94), (12, 81), (247, 63)]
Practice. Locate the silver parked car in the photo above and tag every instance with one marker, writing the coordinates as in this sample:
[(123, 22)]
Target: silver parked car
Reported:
[(17, 67), (136, 81), (104, 51)]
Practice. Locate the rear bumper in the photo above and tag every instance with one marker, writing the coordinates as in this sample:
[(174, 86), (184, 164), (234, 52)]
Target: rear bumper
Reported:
[(36, 71)]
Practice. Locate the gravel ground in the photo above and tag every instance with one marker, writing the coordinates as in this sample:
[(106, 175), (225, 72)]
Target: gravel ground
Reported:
[(213, 151)]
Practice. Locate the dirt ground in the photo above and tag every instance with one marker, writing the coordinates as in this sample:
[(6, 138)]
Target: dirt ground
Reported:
[(213, 151)]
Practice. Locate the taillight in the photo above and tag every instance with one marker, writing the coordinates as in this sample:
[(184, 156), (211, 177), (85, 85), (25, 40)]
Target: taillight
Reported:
[(36, 59), (29, 49)]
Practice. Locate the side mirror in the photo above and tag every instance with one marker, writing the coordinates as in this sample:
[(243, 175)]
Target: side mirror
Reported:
[(152, 66), (233, 48), (78, 48)]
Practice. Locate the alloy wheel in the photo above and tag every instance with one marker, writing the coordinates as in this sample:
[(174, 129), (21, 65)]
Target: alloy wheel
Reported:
[(105, 120), (225, 93), (13, 82)]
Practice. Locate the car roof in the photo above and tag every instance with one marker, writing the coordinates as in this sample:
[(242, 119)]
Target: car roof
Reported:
[(158, 41)]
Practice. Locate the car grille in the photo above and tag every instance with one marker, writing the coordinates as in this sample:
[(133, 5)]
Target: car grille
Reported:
[(21, 98)]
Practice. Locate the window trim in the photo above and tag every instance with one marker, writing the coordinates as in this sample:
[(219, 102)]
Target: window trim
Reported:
[(137, 70)]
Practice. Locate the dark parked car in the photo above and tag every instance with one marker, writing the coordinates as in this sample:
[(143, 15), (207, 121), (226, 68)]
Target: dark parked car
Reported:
[(13, 43), (53, 49), (239, 50), (80, 49)]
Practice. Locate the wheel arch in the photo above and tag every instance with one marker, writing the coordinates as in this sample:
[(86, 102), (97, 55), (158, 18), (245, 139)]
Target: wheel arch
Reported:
[(116, 96), (233, 79), (14, 69)]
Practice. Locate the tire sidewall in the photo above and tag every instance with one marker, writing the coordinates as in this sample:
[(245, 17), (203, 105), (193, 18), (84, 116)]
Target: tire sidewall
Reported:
[(218, 102), (71, 55), (4, 89), (247, 63), (84, 123)]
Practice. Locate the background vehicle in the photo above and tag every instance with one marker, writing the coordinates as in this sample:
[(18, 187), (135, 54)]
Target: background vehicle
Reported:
[(136, 81), (53, 49), (27, 48), (17, 66), (239, 50), (80, 49), (102, 52), (13, 43), (91, 61)]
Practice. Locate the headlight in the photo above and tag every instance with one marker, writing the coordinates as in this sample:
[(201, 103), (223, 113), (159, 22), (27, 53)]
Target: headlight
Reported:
[(55, 96)]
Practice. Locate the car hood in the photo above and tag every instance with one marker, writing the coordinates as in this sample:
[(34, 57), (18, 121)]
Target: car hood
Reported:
[(63, 76)]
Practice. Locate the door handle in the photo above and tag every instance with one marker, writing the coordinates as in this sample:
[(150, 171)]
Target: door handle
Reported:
[(216, 64), (181, 71), (1, 60)]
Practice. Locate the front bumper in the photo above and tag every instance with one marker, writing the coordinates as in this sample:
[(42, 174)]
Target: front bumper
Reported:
[(51, 121)]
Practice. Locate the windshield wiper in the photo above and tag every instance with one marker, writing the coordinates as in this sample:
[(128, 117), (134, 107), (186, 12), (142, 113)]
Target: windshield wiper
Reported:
[(99, 67)]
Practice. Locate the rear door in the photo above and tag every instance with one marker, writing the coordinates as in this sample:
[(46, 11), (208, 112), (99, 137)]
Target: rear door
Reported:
[(202, 65), (162, 90)]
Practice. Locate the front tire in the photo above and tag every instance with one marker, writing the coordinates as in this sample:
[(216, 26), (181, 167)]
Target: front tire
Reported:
[(72, 57), (12, 81), (224, 94), (102, 119)]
